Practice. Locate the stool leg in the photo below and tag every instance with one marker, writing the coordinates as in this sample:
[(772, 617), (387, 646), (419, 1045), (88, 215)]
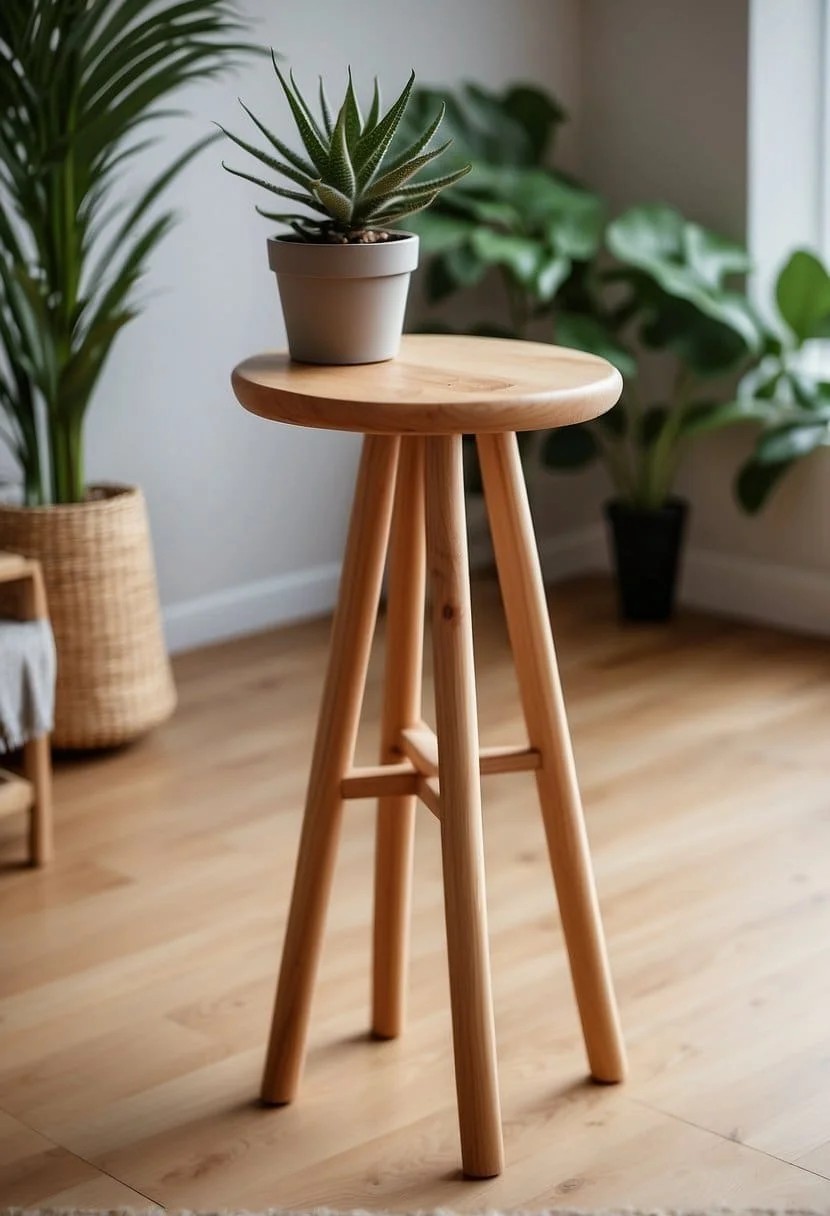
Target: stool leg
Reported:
[(401, 708), (351, 641), (462, 848), (37, 763), (532, 643)]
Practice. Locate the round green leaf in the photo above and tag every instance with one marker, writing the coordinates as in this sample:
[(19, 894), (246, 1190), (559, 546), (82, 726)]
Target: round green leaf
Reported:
[(537, 113), (713, 257), (520, 254), (687, 264), (646, 237), (755, 483), (550, 275), (803, 296)]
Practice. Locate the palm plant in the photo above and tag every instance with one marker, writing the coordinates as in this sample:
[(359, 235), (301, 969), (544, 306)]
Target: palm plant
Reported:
[(79, 82), (345, 181)]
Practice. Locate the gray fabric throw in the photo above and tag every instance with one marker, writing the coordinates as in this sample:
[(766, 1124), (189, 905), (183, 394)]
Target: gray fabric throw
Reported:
[(27, 682)]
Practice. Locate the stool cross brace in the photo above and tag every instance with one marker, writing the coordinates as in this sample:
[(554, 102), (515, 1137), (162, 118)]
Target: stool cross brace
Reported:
[(410, 499)]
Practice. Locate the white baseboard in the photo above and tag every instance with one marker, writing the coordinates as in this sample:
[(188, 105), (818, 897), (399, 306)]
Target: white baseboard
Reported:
[(755, 590), (749, 589), (297, 596), (746, 588)]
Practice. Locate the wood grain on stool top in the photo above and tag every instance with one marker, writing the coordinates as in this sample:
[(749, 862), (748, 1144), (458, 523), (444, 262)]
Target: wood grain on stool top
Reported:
[(439, 385)]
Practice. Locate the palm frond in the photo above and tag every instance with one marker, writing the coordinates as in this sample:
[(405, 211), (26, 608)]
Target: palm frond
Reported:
[(80, 80)]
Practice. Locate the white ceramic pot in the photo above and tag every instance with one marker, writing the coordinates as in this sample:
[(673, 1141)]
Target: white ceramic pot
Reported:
[(343, 303)]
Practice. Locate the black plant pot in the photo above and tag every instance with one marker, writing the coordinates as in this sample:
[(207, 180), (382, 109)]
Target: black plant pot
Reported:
[(646, 547)]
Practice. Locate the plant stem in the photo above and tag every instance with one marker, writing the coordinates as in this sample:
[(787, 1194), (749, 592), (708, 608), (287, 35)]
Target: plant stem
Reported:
[(662, 460), (65, 438), (613, 456)]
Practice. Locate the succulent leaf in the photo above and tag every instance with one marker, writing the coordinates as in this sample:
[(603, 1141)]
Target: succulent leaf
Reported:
[(334, 201), (309, 113), (434, 184), (374, 109), (392, 217), (302, 179), (343, 177), (325, 110), (419, 144), (298, 162), (341, 173), (373, 144), (398, 177), (354, 119), (314, 145), (295, 195)]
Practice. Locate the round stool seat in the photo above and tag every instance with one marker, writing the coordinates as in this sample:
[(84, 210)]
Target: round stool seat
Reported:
[(440, 384)]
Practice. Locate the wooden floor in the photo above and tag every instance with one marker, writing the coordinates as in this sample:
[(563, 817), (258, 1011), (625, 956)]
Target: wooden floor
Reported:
[(136, 975)]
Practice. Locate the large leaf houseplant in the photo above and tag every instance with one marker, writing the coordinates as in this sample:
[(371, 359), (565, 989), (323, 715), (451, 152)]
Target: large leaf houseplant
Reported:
[(81, 82), (669, 311), (343, 269), (657, 295)]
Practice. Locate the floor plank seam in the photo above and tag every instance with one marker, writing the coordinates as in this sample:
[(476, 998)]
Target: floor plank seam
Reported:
[(78, 1157), (729, 1139)]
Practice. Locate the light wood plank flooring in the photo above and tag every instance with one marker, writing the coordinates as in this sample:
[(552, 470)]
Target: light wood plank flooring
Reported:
[(136, 975)]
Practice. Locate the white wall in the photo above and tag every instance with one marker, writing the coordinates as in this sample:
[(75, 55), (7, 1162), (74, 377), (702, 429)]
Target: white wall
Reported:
[(249, 518)]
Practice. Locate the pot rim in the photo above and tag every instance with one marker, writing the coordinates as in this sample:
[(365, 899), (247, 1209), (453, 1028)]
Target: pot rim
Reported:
[(320, 260), (619, 506), (400, 234), (105, 495)]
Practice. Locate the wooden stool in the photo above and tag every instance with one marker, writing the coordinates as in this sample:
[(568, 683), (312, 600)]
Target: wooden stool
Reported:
[(413, 412)]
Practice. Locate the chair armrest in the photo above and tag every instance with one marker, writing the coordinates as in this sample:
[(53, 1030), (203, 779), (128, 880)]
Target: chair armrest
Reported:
[(27, 601)]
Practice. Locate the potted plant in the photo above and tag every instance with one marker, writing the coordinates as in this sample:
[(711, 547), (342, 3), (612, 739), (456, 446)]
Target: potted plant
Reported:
[(668, 297), (343, 272), (78, 83)]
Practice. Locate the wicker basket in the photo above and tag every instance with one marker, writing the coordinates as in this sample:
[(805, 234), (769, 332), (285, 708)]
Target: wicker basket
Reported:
[(114, 679)]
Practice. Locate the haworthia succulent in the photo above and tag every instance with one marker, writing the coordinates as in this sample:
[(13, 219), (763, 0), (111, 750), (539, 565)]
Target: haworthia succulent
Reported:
[(342, 169)]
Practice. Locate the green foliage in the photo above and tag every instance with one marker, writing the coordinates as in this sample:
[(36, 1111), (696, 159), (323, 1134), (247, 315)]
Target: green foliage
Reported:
[(344, 175), (649, 284), (791, 402), (678, 273), (79, 80), (534, 228), (668, 292), (803, 297)]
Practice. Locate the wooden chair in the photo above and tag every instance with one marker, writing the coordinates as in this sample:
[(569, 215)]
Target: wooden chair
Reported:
[(24, 599)]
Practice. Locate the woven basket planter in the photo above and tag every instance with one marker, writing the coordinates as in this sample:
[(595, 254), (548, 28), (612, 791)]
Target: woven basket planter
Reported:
[(114, 679)]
